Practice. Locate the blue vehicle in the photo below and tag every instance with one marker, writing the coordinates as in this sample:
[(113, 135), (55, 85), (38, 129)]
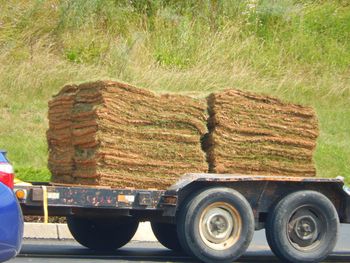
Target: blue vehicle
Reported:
[(11, 219)]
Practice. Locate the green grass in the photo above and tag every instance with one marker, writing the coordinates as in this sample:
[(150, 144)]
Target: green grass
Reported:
[(30, 174), (296, 50)]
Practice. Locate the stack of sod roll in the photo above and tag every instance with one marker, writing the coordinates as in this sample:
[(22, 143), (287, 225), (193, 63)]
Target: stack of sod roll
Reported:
[(110, 133)]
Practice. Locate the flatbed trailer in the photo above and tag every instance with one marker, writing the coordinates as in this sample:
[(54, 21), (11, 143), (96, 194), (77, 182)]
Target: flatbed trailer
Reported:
[(209, 216)]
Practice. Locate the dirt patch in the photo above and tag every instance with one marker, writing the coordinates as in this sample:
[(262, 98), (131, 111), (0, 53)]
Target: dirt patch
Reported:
[(255, 134), (112, 134)]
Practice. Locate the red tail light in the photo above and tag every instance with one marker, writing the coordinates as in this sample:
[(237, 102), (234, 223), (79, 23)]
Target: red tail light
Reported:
[(6, 174)]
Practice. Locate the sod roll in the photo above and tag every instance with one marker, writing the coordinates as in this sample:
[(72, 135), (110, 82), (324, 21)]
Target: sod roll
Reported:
[(113, 134), (259, 135)]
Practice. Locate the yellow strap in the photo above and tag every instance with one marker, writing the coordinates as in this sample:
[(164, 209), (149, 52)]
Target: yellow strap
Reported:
[(46, 210)]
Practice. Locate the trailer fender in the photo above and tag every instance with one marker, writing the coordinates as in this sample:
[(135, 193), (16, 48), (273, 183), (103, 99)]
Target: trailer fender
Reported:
[(347, 204)]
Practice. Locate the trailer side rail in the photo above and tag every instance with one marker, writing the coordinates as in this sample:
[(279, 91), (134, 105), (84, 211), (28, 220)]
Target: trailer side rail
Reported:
[(89, 197)]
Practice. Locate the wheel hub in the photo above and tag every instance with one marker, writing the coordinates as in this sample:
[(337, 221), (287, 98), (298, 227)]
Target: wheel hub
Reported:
[(220, 226), (304, 229)]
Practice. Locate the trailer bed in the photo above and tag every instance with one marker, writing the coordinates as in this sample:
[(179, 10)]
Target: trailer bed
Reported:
[(63, 200)]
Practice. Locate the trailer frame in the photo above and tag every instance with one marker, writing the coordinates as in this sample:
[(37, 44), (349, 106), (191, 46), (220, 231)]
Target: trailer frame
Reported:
[(162, 205)]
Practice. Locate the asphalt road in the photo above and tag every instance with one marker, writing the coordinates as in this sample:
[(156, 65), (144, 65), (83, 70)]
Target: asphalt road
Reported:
[(69, 251)]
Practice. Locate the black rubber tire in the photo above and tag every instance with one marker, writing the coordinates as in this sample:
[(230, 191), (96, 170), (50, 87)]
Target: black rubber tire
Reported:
[(102, 234), (181, 217), (277, 234), (189, 219), (166, 234)]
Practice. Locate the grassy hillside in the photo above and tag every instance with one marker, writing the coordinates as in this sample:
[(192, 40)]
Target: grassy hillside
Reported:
[(296, 50)]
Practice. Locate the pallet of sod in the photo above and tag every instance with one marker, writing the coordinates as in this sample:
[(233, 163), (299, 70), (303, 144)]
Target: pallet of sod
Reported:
[(256, 134), (113, 134)]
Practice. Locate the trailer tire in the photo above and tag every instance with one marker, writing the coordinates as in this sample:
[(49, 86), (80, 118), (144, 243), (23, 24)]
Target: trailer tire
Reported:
[(181, 234), (303, 227), (216, 225), (166, 234), (102, 234)]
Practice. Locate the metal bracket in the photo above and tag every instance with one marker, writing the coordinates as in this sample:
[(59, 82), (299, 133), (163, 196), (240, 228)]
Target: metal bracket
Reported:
[(37, 194), (144, 198)]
